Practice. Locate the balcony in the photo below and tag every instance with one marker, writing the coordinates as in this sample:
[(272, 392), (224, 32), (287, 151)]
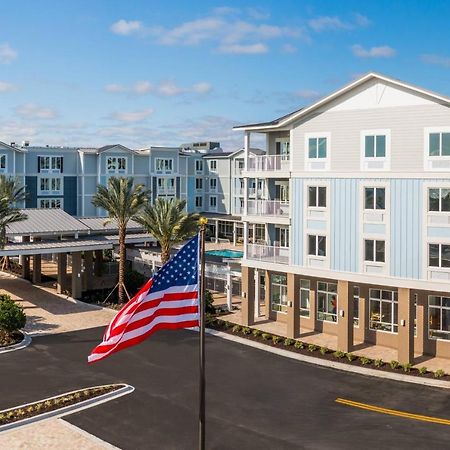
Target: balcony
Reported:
[(166, 191), (268, 208), (268, 253), (252, 192), (268, 163)]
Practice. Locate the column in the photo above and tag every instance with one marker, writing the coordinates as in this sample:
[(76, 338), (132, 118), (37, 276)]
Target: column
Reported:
[(293, 309), (421, 323), (37, 269), (246, 149), (98, 263), (268, 294), (248, 295), (88, 270), (25, 261), (62, 273), (344, 317), (229, 292), (405, 326), (257, 295), (234, 233), (217, 230), (76, 275), (245, 240)]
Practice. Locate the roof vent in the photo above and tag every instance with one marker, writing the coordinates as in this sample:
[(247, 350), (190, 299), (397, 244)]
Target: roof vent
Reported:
[(25, 143), (13, 144)]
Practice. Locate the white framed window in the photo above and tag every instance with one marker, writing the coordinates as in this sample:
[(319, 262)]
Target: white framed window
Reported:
[(213, 184), (438, 317), (439, 199), (356, 306), (317, 245), (166, 185), (383, 310), (282, 236), (116, 164), (213, 165), (50, 164), (282, 148), (317, 196), (327, 301), (374, 250), (213, 203), (374, 198), (437, 148), (305, 289), (3, 166), (198, 184), (198, 166), (439, 255), (50, 185), (278, 293), (199, 201), (317, 151), (164, 165), (439, 144), (50, 203), (375, 150)]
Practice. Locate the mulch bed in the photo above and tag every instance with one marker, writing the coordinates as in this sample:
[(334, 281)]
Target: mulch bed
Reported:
[(7, 339), (227, 327), (34, 409)]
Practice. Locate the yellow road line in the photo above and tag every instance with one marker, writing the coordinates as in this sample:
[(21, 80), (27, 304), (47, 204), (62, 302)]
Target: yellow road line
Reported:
[(392, 412)]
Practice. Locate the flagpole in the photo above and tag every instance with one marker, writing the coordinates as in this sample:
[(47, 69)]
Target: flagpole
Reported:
[(201, 417)]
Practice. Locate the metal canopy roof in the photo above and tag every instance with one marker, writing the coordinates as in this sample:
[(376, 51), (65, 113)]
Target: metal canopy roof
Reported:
[(97, 225)]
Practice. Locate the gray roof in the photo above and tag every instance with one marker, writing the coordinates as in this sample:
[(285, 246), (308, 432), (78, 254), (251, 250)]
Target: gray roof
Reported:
[(46, 221), (219, 216), (273, 122), (97, 224)]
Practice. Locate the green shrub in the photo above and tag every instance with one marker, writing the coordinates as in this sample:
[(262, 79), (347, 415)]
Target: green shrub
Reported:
[(5, 297), (422, 370), (439, 373), (246, 330), (323, 350), (407, 367), (351, 357), (288, 342), (276, 339), (229, 325), (12, 317), (338, 354), (299, 344), (364, 361), (236, 329), (266, 336), (378, 363), (394, 364), (256, 333), (209, 301), (312, 348)]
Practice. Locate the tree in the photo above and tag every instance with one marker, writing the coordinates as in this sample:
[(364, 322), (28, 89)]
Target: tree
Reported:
[(11, 190), (122, 201), (167, 222)]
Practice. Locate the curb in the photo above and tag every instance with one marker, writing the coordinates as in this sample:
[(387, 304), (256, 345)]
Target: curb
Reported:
[(331, 364), (70, 409), (25, 342)]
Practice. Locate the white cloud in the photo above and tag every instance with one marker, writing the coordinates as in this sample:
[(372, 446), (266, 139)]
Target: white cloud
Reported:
[(7, 87), (288, 48), (126, 27), (33, 111), (238, 49), (166, 88), (142, 87), (361, 20), (115, 88), (308, 94), (438, 60), (258, 13), (383, 51), (132, 116), (169, 89), (324, 23), (7, 54)]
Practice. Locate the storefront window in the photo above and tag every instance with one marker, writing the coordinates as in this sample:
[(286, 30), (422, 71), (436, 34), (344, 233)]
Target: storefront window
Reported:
[(304, 297), (383, 310), (278, 292), (327, 301), (356, 306), (439, 317)]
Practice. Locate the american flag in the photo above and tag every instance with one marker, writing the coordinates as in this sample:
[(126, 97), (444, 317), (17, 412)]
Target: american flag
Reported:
[(169, 300)]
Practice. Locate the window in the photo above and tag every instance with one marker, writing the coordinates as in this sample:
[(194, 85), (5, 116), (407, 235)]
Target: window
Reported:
[(199, 166), (439, 199), (356, 306), (439, 144), (282, 236), (50, 164), (375, 146), (213, 184), (198, 202), (213, 202), (3, 163), (282, 149), (375, 198), (116, 164), (278, 293), (439, 255), (164, 165), (50, 185), (317, 245), (50, 203), (439, 317), (317, 147), (305, 288), (383, 310), (374, 250), (213, 165), (199, 184), (317, 196), (327, 301), (166, 185)]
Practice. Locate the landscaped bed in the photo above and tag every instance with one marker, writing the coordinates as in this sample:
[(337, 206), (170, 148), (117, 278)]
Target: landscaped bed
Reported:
[(38, 408), (295, 345), (7, 339)]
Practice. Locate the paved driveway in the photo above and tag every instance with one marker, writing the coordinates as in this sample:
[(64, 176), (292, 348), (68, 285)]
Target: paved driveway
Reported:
[(255, 400)]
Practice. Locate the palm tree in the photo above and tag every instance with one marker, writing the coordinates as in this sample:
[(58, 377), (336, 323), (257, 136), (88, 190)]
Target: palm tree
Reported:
[(11, 190), (167, 222), (122, 201)]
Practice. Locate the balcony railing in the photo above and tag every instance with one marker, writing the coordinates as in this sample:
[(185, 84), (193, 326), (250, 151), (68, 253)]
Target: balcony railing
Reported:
[(166, 191), (252, 192), (268, 208), (268, 163), (268, 253)]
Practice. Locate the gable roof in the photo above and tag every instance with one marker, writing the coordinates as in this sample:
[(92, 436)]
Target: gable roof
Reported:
[(105, 148), (293, 116), (18, 149)]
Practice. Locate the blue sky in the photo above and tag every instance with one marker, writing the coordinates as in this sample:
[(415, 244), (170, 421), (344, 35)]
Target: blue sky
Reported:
[(162, 73)]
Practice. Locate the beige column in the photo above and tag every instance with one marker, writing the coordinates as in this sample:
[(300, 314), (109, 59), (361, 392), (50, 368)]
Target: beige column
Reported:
[(98, 263), (37, 269), (61, 284), (88, 270), (312, 303), (248, 295), (344, 317), (25, 261), (293, 309), (268, 293), (421, 322), (405, 326), (363, 312), (76, 275)]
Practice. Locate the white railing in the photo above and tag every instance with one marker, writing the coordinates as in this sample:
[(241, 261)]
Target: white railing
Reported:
[(252, 192), (268, 163), (166, 191), (268, 208), (268, 253)]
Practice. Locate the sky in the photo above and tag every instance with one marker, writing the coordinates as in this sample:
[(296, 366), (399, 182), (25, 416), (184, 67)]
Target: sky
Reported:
[(142, 73)]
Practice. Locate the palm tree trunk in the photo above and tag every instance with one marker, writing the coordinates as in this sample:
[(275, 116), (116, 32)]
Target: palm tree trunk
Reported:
[(165, 254), (122, 261)]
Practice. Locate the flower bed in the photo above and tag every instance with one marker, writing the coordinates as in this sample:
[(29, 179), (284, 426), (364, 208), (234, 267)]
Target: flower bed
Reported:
[(309, 349), (12, 415), (7, 339)]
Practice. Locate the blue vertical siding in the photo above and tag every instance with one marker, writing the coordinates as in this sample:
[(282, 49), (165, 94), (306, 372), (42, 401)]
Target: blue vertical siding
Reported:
[(297, 231), (70, 195), (406, 228), (31, 191)]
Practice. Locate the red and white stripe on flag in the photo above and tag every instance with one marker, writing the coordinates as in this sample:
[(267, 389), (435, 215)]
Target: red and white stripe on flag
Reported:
[(169, 300)]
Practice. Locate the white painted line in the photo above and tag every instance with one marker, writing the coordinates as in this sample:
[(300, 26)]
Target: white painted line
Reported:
[(87, 435), (330, 364), (25, 342), (70, 409)]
